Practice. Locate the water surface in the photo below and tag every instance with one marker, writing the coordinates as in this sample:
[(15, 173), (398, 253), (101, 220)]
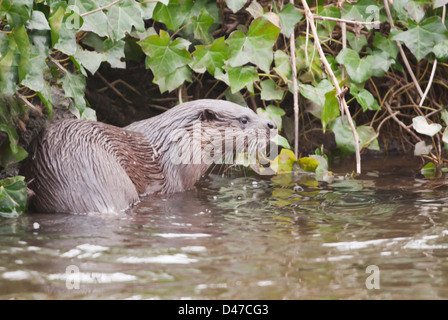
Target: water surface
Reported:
[(244, 238)]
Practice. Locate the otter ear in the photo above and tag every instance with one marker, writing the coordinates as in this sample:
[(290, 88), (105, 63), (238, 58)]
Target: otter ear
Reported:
[(207, 114)]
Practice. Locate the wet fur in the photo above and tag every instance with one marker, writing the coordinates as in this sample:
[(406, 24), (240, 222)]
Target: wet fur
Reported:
[(80, 166)]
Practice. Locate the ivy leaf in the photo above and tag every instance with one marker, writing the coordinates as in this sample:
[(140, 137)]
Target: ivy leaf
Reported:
[(316, 93), (22, 49), (45, 96), (441, 50), (164, 55), (364, 10), (34, 75), (13, 137), (66, 37), (282, 65), (17, 11), (308, 164), (289, 17), (330, 109), (356, 43), (358, 69), (422, 126), (96, 22), (379, 63), (332, 12), (91, 60), (201, 25), (235, 5), (173, 80), (74, 86), (439, 3), (386, 45), (269, 90), (365, 99), (122, 17), (13, 196), (174, 14), (255, 47), (114, 52), (55, 21), (240, 77), (211, 57), (344, 136), (415, 10), (421, 38), (38, 21)]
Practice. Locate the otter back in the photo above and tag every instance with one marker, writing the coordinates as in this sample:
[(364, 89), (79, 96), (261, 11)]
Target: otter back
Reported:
[(81, 166)]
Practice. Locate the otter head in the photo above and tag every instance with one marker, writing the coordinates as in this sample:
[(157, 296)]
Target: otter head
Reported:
[(216, 131)]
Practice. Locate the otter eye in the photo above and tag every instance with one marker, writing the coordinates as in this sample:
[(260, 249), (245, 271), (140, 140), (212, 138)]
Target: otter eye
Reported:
[(244, 120)]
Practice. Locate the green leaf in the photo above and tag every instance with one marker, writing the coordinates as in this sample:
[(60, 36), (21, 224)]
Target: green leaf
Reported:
[(364, 10), (358, 69), (8, 157), (357, 43), (96, 22), (269, 90), (38, 21), (45, 96), (272, 113), (255, 47), (66, 37), (282, 65), (91, 60), (74, 86), (22, 49), (173, 80), (330, 109), (240, 77), (344, 136), (114, 53), (55, 21), (235, 5), (211, 57), (329, 11), (17, 11), (289, 17), (174, 14), (308, 164), (13, 137), (34, 74), (281, 141), (439, 3), (421, 126), (284, 161), (441, 50), (316, 93), (201, 25), (421, 38), (365, 99), (384, 44), (122, 17), (14, 196), (429, 170), (165, 55)]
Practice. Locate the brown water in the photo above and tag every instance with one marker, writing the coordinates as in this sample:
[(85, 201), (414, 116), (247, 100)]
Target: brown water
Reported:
[(244, 238)]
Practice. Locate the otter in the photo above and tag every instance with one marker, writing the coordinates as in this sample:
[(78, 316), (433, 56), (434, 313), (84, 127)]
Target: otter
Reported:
[(80, 166)]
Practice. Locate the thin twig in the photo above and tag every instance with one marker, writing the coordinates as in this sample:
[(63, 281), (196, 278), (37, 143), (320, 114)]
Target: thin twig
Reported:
[(295, 89), (346, 21), (389, 109), (113, 88), (29, 104), (339, 92), (379, 127), (58, 65), (400, 48), (100, 9), (428, 86)]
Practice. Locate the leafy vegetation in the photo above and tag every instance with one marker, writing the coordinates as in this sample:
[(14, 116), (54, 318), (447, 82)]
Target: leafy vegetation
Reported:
[(390, 61)]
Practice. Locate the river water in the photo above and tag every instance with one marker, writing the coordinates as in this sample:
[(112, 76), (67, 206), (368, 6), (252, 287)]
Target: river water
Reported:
[(382, 235)]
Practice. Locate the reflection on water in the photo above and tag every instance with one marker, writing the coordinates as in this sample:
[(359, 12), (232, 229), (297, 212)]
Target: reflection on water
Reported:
[(243, 238)]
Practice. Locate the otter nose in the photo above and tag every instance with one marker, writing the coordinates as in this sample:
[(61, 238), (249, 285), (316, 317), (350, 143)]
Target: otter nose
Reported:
[(271, 125)]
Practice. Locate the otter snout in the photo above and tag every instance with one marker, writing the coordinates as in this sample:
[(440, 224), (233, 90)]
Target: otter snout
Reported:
[(271, 125)]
